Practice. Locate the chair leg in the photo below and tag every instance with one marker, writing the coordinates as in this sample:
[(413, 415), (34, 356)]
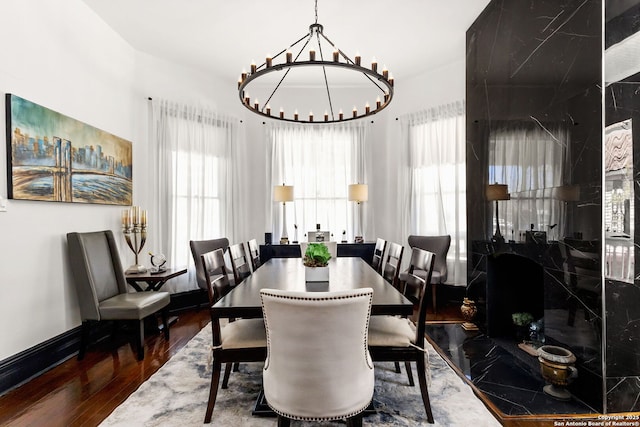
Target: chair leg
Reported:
[(236, 367), (84, 338), (283, 421), (355, 421), (213, 390), (227, 372), (140, 339), (397, 365), (165, 323), (407, 365), (422, 379)]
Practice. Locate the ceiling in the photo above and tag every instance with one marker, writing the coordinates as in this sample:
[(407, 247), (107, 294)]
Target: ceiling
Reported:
[(223, 37)]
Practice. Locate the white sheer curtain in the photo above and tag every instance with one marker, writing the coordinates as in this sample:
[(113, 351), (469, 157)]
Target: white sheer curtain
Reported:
[(192, 182), (436, 194), (320, 162), (531, 158)]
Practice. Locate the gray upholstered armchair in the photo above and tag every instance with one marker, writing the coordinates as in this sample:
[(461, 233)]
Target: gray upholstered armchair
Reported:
[(102, 288), (439, 245)]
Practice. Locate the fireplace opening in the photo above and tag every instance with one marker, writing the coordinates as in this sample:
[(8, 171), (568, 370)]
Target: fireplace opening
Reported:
[(515, 284)]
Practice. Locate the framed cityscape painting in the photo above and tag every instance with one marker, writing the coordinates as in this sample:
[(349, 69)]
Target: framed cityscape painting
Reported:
[(52, 157)]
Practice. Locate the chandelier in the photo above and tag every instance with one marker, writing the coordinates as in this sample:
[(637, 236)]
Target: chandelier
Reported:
[(309, 53)]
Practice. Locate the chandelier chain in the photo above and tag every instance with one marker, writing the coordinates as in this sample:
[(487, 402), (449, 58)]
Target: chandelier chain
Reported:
[(316, 11)]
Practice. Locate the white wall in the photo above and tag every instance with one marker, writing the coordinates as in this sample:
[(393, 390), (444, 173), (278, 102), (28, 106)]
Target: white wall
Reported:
[(60, 55)]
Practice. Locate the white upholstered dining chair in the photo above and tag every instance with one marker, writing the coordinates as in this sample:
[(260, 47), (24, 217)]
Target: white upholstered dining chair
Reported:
[(318, 367)]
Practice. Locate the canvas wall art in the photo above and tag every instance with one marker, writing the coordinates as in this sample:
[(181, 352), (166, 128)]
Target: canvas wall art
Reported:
[(52, 157)]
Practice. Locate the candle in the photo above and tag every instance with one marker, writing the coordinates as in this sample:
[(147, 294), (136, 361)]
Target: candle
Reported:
[(355, 112), (374, 65), (326, 116), (268, 110), (136, 215), (358, 59), (295, 115), (281, 113), (391, 81), (367, 110), (125, 218), (256, 104), (336, 56), (289, 57), (144, 217), (253, 67), (247, 100), (239, 82), (386, 97), (378, 102), (340, 114), (310, 116), (385, 72), (312, 55), (269, 61), (243, 75)]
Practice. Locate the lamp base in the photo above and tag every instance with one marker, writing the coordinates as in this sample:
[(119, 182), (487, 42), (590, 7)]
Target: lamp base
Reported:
[(284, 240), (136, 269)]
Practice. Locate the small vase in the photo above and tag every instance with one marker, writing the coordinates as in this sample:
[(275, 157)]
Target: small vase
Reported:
[(469, 311), (316, 274), (558, 370)]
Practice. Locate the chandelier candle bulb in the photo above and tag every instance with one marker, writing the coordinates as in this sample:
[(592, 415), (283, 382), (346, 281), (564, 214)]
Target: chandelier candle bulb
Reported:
[(268, 110), (269, 61), (341, 115), (311, 116), (243, 76), (336, 56), (355, 112), (358, 59), (385, 73), (378, 102), (326, 116), (289, 57), (295, 115), (256, 104), (143, 218), (374, 65), (367, 109), (391, 81), (281, 113), (312, 55), (253, 67)]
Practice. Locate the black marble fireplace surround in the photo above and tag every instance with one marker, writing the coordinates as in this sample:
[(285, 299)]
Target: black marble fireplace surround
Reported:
[(539, 63)]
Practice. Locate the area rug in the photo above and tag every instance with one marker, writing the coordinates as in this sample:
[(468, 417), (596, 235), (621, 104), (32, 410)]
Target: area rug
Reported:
[(177, 395)]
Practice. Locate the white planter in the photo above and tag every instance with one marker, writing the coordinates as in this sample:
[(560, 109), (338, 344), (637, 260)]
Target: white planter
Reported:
[(316, 274)]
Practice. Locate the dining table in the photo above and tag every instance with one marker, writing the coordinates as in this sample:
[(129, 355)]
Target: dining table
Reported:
[(289, 274)]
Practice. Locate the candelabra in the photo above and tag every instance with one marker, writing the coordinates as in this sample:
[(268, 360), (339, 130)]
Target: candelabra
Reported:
[(134, 228)]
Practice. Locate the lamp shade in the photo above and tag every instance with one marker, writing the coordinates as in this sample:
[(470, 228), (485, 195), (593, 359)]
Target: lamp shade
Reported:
[(498, 192), (358, 192), (283, 193)]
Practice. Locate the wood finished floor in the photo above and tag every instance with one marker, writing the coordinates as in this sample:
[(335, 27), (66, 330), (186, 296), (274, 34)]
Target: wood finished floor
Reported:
[(83, 393)]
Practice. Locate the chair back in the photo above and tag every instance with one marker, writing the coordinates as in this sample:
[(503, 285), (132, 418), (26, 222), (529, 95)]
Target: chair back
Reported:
[(239, 262), (421, 284), (439, 245), (199, 247), (318, 365), (392, 266), (97, 270), (420, 260), (378, 254), (215, 273), (254, 254)]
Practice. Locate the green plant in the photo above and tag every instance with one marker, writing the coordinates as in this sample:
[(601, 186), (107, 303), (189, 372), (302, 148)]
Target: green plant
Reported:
[(316, 255), (522, 319)]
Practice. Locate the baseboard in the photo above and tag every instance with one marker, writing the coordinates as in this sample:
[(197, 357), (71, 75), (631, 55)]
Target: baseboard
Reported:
[(22, 367)]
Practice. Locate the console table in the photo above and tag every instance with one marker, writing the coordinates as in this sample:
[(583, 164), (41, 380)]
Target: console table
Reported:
[(362, 250)]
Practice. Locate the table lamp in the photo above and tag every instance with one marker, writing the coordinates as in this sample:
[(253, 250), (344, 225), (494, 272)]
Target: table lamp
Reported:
[(497, 192), (359, 193), (283, 193)]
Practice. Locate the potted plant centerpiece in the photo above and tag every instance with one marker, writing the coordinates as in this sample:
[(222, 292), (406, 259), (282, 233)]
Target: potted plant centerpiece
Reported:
[(316, 263)]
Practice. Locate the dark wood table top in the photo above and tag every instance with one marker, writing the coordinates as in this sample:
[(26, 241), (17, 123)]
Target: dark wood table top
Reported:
[(288, 273), (152, 281)]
